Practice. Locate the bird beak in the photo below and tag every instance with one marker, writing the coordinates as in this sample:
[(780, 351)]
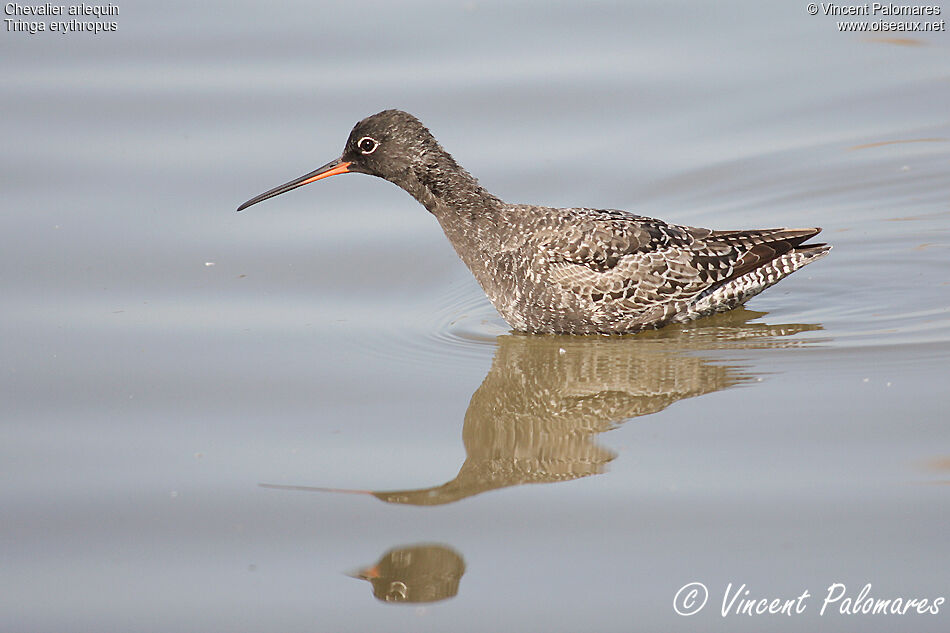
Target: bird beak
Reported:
[(334, 167)]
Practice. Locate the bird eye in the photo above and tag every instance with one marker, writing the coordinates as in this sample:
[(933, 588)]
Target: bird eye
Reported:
[(368, 145)]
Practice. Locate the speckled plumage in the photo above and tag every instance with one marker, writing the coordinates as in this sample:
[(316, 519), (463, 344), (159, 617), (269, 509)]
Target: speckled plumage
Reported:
[(570, 271)]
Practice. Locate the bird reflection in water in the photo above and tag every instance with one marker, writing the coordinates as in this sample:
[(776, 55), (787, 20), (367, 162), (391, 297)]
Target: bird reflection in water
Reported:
[(535, 416), (416, 573)]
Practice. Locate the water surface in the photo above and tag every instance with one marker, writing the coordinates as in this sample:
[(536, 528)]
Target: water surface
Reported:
[(211, 420)]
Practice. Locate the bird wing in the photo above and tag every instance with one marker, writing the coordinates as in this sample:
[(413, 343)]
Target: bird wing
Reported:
[(644, 262), (619, 257)]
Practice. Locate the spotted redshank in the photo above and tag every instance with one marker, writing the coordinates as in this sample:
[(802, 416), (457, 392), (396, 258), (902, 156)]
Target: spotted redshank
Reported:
[(569, 271)]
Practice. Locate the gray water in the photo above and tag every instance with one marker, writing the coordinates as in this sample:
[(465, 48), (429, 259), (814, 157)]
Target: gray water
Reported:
[(210, 421)]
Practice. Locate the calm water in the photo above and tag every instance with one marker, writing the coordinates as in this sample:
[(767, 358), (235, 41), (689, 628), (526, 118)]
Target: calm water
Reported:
[(210, 421)]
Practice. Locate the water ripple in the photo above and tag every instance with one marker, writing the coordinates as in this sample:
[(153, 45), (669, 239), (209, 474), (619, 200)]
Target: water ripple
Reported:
[(456, 326)]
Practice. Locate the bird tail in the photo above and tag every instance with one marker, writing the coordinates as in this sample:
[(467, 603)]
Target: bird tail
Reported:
[(772, 255)]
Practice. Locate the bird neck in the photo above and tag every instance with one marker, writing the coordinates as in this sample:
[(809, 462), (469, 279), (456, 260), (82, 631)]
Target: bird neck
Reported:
[(444, 188)]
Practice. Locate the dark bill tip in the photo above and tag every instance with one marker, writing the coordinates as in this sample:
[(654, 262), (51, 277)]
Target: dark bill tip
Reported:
[(338, 166)]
